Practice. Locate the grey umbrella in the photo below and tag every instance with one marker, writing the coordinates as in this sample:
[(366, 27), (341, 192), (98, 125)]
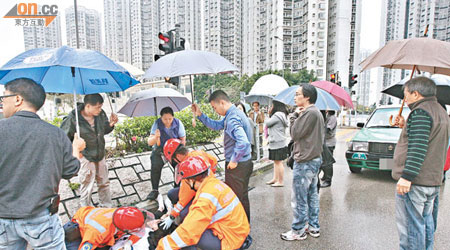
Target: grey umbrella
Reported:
[(150, 102)]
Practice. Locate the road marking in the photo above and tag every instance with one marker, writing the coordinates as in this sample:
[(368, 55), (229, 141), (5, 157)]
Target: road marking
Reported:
[(343, 132)]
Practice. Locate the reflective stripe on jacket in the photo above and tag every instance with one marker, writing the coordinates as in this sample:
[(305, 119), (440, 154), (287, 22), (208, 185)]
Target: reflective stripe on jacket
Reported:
[(96, 227), (186, 194), (215, 207)]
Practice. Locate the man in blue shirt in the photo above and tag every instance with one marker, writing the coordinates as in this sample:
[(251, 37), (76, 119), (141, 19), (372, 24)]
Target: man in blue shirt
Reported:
[(237, 137)]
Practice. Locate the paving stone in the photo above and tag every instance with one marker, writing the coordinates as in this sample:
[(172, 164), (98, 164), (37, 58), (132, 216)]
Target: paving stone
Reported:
[(130, 161), (117, 164), (210, 146), (65, 191), (216, 151), (145, 162), (221, 157), (112, 174), (138, 168), (127, 175), (72, 206), (129, 190), (129, 200), (145, 176), (143, 189), (116, 189), (166, 175), (64, 218)]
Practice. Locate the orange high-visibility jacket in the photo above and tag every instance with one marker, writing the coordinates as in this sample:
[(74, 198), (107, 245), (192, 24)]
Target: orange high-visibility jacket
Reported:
[(186, 194), (96, 227), (215, 207)]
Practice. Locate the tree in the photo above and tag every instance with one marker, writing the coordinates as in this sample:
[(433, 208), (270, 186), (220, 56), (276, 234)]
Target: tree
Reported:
[(233, 85)]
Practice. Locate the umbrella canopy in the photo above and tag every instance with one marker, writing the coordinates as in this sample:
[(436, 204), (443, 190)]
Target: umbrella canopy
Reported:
[(189, 62), (269, 85), (324, 101), (134, 71), (442, 84), (262, 99), (150, 102), (341, 96), (426, 54), (68, 70)]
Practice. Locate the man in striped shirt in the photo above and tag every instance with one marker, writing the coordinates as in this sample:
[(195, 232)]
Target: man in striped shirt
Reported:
[(419, 159)]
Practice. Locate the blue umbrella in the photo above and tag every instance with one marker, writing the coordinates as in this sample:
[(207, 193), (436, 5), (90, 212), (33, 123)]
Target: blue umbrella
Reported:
[(68, 70), (324, 101)]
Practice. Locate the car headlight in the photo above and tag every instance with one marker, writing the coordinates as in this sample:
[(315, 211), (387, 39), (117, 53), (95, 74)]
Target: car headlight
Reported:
[(350, 145), (361, 146)]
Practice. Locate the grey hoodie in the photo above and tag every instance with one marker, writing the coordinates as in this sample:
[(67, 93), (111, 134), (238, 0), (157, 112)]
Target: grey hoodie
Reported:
[(277, 125)]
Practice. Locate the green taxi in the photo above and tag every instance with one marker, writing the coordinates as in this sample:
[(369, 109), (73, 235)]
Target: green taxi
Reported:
[(373, 146)]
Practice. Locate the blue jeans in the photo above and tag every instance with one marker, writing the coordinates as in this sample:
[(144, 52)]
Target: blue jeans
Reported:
[(305, 196), (43, 231), (416, 216)]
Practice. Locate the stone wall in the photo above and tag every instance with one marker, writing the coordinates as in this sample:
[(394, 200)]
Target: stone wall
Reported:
[(130, 180)]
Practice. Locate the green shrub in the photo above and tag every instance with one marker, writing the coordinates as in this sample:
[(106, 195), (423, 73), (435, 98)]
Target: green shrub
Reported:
[(133, 133), (56, 121)]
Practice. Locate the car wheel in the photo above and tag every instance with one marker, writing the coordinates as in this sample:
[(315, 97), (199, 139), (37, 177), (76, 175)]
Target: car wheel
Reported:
[(355, 170)]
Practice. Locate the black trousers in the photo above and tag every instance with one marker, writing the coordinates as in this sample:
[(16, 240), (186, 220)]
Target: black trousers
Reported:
[(328, 169), (238, 179), (157, 165)]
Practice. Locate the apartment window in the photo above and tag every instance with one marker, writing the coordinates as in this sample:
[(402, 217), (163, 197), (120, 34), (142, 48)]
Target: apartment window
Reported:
[(320, 53), (321, 34), (320, 44), (320, 63), (313, 24), (319, 72), (321, 25)]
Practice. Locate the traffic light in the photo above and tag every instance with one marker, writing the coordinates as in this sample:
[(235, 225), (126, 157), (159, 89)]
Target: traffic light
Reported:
[(333, 78), (352, 80), (167, 45)]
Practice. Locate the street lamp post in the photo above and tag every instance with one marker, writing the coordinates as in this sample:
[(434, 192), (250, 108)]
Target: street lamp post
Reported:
[(282, 54)]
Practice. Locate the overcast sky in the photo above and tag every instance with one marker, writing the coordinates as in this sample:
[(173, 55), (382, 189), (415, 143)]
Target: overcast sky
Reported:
[(11, 43)]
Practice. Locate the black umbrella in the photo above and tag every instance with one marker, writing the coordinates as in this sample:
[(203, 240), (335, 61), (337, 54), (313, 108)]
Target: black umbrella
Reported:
[(442, 84)]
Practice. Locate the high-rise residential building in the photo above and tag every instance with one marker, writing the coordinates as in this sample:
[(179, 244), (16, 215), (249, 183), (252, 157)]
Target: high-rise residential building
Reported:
[(117, 30), (89, 30), (407, 19), (392, 28), (344, 26), (251, 27), (43, 37), (189, 19), (363, 87), (144, 30), (441, 29), (223, 29), (286, 35)]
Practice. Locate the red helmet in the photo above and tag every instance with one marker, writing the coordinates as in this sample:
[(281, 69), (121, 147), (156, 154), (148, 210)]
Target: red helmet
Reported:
[(170, 147), (131, 219), (192, 166)]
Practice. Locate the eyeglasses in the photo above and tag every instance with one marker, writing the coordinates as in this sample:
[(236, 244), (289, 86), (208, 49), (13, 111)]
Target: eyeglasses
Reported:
[(4, 96)]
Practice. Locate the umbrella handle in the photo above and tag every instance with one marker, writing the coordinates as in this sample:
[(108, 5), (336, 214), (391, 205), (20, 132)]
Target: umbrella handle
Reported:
[(394, 124)]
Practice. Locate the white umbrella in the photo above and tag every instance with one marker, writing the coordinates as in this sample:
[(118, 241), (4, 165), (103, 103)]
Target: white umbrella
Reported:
[(134, 71), (189, 62), (150, 102), (269, 85)]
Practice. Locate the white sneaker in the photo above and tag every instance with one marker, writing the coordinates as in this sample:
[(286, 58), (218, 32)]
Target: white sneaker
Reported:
[(291, 235)]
